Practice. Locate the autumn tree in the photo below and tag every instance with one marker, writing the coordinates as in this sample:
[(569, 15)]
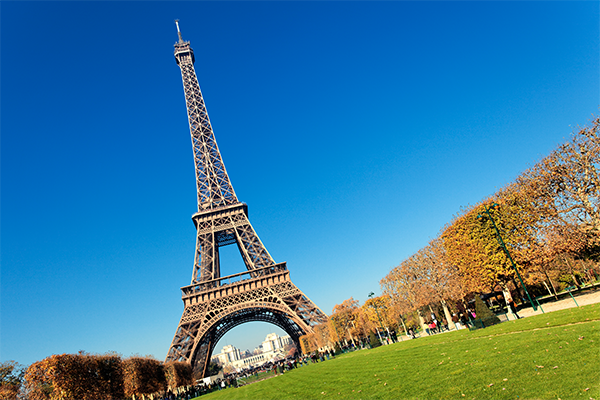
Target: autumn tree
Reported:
[(11, 379), (489, 239), (405, 288), (362, 325), (379, 312), (142, 376), (564, 187), (437, 275), (178, 374), (342, 320), (322, 334), (308, 343), (567, 181), (76, 376)]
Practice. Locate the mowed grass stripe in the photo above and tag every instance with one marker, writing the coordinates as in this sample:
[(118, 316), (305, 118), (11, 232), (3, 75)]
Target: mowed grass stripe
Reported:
[(548, 356)]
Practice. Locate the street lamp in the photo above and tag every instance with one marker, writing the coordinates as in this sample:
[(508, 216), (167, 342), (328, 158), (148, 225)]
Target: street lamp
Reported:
[(501, 242), (378, 317)]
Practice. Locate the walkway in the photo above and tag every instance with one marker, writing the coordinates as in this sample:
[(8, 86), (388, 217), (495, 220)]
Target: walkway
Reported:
[(567, 302)]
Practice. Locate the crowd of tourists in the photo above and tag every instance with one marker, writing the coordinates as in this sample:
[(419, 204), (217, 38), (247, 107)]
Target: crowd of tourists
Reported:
[(200, 389), (236, 379)]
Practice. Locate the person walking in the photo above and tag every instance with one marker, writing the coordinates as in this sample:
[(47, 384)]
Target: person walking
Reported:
[(455, 321), (411, 332), (432, 327), (513, 308)]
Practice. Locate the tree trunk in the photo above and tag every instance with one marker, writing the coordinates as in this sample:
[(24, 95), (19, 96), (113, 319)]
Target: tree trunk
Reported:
[(467, 314), (507, 297), (447, 314), (547, 288), (571, 271), (404, 326), (421, 321), (551, 284), (352, 339), (518, 289), (506, 294)]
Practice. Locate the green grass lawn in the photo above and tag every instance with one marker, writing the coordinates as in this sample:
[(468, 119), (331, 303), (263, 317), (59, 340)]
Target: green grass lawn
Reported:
[(259, 377), (548, 356)]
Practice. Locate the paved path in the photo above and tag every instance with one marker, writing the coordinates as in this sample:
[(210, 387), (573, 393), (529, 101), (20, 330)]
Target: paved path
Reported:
[(582, 300)]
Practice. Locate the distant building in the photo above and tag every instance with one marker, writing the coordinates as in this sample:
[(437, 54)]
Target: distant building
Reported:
[(228, 355), (272, 348), (273, 342)]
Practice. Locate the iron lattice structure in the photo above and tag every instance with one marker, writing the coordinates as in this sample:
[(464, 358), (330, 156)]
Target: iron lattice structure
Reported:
[(213, 305)]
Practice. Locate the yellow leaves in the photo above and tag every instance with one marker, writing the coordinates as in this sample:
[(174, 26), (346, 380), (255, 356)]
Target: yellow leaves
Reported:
[(474, 249)]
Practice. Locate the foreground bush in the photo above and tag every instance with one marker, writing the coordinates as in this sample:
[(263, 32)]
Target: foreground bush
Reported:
[(75, 376), (100, 377)]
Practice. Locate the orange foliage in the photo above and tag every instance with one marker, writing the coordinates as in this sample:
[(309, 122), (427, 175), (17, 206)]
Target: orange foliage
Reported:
[(76, 376), (143, 375), (178, 374)]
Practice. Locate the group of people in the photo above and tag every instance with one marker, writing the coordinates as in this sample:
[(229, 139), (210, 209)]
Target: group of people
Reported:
[(434, 326), (199, 390), (281, 367), (461, 320)]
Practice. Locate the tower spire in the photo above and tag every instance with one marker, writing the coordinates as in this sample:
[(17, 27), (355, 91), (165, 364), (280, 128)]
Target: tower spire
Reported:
[(178, 31)]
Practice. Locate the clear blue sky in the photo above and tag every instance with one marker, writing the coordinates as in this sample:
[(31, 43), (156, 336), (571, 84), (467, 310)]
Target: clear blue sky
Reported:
[(353, 131)]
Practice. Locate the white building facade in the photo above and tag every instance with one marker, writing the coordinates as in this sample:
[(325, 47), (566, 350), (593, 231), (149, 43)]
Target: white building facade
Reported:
[(271, 349)]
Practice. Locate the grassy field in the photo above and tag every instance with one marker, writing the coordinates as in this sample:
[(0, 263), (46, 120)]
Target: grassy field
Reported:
[(259, 377), (549, 356)]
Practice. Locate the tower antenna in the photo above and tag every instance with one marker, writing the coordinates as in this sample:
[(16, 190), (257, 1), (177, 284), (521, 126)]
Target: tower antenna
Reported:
[(178, 31)]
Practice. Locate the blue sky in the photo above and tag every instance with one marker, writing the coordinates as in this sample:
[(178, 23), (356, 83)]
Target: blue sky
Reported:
[(353, 130)]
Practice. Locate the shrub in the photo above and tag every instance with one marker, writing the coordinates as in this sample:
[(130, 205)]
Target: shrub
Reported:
[(75, 376), (374, 340)]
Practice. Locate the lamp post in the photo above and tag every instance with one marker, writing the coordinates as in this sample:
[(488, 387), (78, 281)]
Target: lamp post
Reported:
[(378, 317), (501, 242)]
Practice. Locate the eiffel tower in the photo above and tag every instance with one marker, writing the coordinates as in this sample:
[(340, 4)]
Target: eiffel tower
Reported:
[(213, 304)]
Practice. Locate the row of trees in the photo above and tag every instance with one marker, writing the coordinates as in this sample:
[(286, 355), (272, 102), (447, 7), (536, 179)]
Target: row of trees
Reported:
[(351, 323), (545, 225), (85, 376)]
